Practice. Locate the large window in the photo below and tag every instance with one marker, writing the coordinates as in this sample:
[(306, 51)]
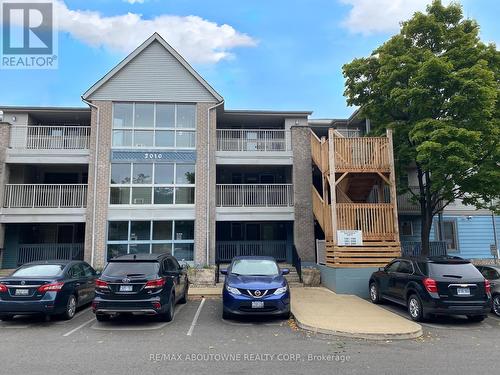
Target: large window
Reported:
[(152, 183), (154, 125), (167, 236)]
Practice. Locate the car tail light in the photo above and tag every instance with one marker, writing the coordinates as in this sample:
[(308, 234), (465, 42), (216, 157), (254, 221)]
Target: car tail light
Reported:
[(157, 305), (153, 284), (487, 286), (101, 284), (430, 285), (3, 288), (52, 287)]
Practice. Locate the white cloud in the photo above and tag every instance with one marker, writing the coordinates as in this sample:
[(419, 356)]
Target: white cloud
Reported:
[(135, 1), (197, 39), (376, 16)]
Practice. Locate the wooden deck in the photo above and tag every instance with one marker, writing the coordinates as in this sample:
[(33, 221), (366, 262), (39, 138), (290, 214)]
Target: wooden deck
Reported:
[(354, 196)]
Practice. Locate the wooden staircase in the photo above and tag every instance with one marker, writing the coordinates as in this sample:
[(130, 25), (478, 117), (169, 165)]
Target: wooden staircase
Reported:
[(355, 173)]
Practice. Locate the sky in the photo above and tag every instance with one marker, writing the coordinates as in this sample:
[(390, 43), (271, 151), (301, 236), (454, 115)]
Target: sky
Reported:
[(258, 54)]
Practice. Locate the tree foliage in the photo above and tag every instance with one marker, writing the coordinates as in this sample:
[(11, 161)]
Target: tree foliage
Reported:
[(437, 86)]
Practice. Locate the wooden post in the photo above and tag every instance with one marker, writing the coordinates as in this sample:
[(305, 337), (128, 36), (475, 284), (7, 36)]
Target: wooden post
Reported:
[(333, 195), (392, 178)]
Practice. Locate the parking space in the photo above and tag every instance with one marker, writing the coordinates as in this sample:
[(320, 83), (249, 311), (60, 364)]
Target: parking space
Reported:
[(126, 344), (454, 322)]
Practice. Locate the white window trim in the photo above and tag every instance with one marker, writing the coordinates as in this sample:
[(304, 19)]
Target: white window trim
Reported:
[(154, 128), (152, 186)]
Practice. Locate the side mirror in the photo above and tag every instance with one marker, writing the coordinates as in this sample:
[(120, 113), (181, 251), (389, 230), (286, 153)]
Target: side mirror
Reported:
[(223, 271), (285, 271)]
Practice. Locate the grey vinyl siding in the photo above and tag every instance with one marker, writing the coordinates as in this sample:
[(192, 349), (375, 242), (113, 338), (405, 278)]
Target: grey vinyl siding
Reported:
[(153, 75)]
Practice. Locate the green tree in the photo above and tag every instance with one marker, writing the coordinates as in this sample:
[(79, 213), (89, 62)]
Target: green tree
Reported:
[(437, 86)]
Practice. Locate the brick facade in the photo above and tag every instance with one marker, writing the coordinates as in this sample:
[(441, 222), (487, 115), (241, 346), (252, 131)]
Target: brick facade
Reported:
[(202, 191), (102, 192), (4, 173), (303, 225)]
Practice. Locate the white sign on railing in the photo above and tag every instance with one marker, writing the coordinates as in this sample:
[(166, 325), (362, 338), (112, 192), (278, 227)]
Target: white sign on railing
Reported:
[(349, 238)]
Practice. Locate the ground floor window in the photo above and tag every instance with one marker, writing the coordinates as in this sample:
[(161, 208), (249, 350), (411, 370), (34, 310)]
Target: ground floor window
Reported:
[(450, 235), (175, 237)]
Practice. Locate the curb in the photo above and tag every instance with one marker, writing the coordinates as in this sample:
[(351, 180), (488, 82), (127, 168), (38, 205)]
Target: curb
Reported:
[(361, 335)]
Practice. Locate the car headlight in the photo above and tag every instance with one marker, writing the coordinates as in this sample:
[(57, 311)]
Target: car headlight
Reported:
[(281, 290), (232, 290)]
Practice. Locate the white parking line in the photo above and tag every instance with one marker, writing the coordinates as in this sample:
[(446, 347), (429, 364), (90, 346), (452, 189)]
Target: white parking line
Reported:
[(77, 328), (195, 319)]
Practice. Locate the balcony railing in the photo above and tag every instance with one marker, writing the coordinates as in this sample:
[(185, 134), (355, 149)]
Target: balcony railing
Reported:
[(414, 248), (375, 220), (252, 140), (49, 251), (227, 250), (361, 154), (254, 195), (42, 137), (44, 195)]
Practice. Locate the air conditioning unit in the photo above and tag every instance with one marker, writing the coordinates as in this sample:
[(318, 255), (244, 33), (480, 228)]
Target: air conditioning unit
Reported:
[(138, 200)]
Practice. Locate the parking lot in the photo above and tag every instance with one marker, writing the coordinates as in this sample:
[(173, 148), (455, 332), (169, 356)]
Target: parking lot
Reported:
[(200, 340)]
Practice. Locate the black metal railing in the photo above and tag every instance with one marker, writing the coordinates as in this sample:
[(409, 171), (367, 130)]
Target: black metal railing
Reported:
[(297, 262), (414, 248)]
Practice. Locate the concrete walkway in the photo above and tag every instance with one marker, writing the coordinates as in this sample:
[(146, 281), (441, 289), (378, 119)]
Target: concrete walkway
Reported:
[(321, 310)]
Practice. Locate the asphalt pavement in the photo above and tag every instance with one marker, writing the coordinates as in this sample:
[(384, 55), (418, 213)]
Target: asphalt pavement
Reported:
[(199, 341)]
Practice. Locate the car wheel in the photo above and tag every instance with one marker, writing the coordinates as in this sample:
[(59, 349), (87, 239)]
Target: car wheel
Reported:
[(415, 308), (6, 318), (496, 304), (476, 318), (226, 315), (285, 315), (184, 295), (374, 293), (70, 308), (168, 315), (102, 317)]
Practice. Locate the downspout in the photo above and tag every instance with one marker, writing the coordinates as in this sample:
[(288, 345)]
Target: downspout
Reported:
[(208, 181), (95, 178)]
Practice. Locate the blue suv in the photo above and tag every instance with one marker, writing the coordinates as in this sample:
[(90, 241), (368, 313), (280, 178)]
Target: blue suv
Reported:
[(255, 286)]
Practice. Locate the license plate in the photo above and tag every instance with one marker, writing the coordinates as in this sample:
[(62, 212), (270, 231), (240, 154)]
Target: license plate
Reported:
[(125, 288), (463, 291), (257, 304), (21, 292)]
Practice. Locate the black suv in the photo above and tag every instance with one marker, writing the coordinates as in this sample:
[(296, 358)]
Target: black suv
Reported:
[(140, 284), (433, 285)]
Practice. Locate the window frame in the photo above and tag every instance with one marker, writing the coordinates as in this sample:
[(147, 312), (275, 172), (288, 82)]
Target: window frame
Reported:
[(154, 128), (454, 223), (152, 186), (129, 242)]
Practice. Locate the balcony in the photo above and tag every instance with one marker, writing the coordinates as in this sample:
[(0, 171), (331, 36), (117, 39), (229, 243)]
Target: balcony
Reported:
[(49, 251), (248, 144), (49, 143), (260, 201), (227, 250), (44, 202)]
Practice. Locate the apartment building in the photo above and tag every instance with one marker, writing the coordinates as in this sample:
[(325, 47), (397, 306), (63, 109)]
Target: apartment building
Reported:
[(154, 163)]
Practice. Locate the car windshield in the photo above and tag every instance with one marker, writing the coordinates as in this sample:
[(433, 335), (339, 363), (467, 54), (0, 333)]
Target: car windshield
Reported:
[(120, 269), (39, 270), (254, 267)]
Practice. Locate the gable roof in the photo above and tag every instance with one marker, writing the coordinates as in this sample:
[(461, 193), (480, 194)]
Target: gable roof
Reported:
[(148, 42)]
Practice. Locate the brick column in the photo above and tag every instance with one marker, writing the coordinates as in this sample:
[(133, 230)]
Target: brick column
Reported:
[(202, 198), (303, 225), (4, 176), (100, 196)]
